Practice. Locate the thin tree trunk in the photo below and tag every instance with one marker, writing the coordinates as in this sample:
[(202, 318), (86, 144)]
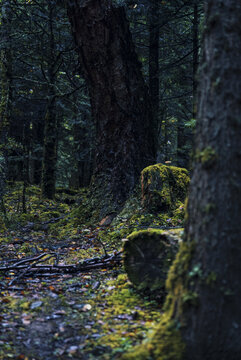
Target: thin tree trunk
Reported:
[(6, 87), (120, 105), (6, 70), (50, 127), (154, 18), (195, 56)]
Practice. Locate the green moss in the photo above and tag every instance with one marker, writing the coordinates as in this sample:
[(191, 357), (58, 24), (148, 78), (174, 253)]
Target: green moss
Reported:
[(209, 208), (166, 342), (163, 187), (211, 279), (207, 157), (126, 316), (2, 225)]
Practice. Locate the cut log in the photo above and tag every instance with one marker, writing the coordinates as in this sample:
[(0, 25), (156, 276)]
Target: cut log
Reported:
[(148, 255)]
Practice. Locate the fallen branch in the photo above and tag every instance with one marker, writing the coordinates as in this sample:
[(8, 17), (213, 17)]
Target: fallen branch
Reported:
[(32, 267)]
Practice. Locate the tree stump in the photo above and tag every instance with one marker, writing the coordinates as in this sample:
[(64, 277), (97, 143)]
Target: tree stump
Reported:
[(163, 187), (148, 255)]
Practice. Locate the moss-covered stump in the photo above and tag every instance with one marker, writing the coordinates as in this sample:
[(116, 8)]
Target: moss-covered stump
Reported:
[(163, 187), (148, 255)]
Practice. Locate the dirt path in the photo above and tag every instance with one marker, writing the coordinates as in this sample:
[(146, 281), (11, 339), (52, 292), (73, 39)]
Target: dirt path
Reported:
[(90, 315)]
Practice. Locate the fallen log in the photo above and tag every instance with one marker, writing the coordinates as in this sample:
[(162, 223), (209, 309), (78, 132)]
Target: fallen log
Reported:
[(147, 256)]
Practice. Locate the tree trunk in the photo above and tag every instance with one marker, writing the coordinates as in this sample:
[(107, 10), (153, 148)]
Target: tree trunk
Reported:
[(213, 328), (6, 70), (195, 56), (37, 139), (154, 18), (50, 127), (6, 87), (120, 105), (203, 313), (49, 152)]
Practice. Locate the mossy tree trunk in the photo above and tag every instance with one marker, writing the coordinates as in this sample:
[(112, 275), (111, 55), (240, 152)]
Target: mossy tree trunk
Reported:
[(202, 318), (119, 100), (212, 328)]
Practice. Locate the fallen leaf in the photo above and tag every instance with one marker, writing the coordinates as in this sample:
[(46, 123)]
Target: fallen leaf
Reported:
[(36, 304), (86, 307)]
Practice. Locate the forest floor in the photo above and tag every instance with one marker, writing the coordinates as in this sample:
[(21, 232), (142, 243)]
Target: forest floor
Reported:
[(88, 314)]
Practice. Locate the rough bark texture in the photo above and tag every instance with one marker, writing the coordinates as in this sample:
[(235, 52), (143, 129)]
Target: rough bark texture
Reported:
[(202, 318), (120, 106), (213, 328)]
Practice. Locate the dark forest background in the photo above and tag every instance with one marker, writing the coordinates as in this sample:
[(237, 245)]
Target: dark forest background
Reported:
[(48, 134)]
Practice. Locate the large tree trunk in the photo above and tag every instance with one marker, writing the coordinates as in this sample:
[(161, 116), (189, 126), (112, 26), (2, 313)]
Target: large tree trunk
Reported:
[(213, 328), (203, 312), (120, 105)]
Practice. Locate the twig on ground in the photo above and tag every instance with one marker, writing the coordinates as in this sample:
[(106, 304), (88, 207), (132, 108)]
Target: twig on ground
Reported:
[(37, 269)]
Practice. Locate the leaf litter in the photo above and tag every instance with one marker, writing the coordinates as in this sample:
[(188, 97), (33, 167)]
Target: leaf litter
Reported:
[(89, 312)]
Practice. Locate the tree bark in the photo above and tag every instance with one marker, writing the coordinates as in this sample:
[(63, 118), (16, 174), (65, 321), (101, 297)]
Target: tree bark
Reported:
[(195, 57), (202, 318), (6, 70), (6, 87), (213, 328), (120, 105), (154, 32), (50, 127)]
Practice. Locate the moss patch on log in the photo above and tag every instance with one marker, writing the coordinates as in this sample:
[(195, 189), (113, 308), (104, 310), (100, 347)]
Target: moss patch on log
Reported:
[(163, 187), (166, 342)]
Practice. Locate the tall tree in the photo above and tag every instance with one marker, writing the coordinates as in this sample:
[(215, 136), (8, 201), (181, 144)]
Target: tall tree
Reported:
[(6, 69), (203, 314), (195, 55), (119, 100), (50, 129), (6, 86), (154, 33)]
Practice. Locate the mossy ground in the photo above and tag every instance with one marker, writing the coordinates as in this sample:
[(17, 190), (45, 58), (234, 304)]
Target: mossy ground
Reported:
[(89, 315)]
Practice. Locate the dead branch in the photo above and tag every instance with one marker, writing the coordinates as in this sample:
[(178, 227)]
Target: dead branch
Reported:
[(31, 267)]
